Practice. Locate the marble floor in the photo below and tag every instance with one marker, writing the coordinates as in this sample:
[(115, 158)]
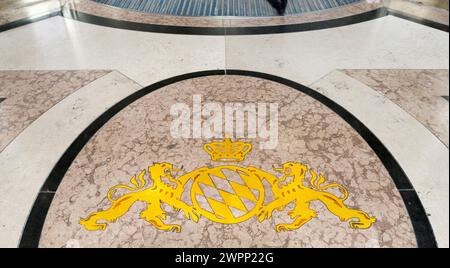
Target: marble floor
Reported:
[(121, 128)]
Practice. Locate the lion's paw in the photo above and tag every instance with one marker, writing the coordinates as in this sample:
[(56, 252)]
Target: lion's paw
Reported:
[(362, 224), (281, 227), (175, 228), (293, 214), (93, 226), (354, 224), (191, 214), (264, 213)]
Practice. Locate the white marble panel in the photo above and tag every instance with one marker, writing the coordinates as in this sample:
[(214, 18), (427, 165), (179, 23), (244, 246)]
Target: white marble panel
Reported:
[(384, 43), (61, 44)]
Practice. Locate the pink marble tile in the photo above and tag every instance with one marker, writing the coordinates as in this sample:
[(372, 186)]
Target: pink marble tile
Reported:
[(309, 133), (419, 92), (31, 93), (429, 9)]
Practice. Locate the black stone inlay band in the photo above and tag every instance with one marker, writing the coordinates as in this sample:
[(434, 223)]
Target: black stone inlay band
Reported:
[(29, 20), (422, 227), (429, 23), (309, 26), (252, 30), (36, 218)]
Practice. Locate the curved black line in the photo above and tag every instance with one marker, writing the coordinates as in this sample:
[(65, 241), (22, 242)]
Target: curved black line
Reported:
[(422, 227), (425, 22), (28, 20), (251, 30)]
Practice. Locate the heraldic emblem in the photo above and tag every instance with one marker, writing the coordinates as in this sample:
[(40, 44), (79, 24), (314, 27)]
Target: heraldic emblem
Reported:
[(228, 194)]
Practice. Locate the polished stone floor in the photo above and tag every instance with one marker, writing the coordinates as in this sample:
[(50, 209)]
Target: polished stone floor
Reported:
[(90, 96)]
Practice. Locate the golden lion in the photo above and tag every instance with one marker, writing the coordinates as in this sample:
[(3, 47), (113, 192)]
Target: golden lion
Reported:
[(303, 195), (159, 192)]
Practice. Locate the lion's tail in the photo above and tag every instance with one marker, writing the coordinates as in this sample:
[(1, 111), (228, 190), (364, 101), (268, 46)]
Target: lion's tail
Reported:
[(341, 188), (318, 181), (139, 184)]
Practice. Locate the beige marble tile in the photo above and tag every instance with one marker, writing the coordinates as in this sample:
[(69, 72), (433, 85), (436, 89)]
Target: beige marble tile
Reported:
[(419, 92), (31, 93), (64, 44), (308, 132), (305, 57)]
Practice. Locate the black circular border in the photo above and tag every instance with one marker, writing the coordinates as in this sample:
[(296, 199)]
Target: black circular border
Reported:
[(421, 225)]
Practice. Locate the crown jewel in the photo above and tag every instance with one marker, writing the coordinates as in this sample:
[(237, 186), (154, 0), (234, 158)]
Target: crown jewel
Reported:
[(227, 151)]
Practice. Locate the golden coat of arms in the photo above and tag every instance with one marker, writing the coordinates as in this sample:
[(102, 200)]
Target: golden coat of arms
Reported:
[(228, 194)]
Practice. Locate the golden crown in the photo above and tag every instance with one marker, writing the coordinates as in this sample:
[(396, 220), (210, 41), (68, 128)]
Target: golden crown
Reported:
[(227, 151)]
